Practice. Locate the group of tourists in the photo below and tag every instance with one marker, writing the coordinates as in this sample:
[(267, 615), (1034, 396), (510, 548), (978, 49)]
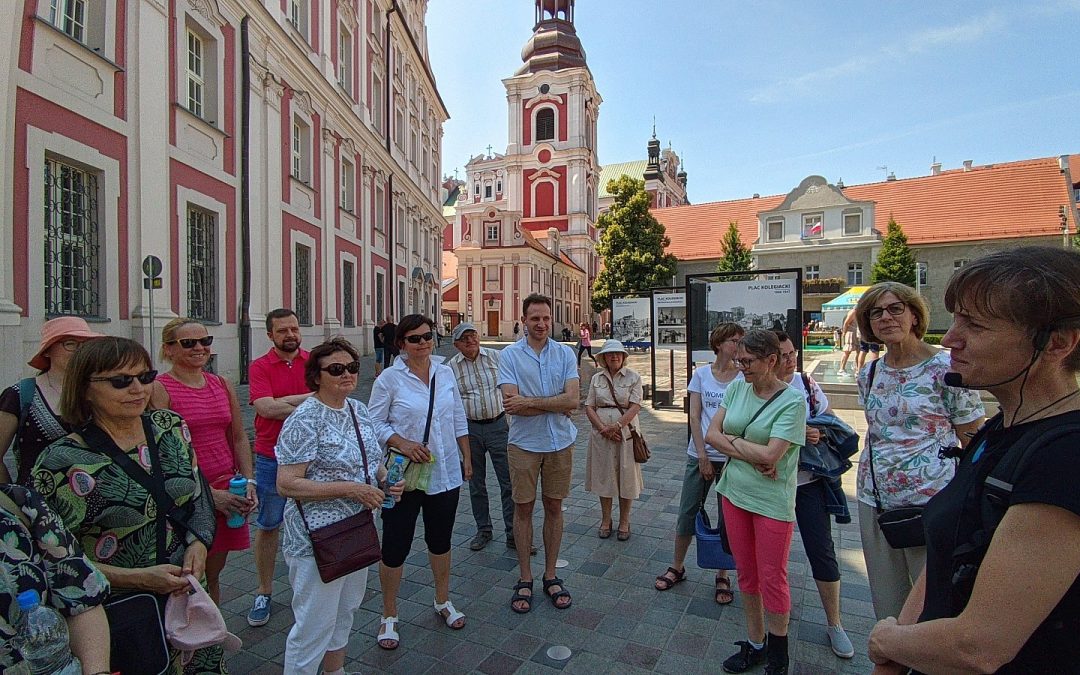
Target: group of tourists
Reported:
[(127, 482)]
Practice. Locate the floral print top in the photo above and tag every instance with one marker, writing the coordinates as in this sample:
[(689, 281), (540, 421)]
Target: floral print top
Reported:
[(45, 558), (910, 416)]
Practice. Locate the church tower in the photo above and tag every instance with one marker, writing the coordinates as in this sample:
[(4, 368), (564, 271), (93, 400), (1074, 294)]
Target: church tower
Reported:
[(551, 164)]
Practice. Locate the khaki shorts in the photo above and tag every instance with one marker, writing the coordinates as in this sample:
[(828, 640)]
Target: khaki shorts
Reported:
[(552, 468)]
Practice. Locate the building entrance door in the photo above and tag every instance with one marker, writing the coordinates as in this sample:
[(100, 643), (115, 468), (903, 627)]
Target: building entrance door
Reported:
[(492, 323)]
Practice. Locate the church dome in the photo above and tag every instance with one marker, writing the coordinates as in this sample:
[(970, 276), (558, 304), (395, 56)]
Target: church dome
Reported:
[(554, 44)]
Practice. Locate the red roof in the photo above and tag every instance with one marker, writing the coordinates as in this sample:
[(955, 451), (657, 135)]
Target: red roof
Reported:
[(996, 201)]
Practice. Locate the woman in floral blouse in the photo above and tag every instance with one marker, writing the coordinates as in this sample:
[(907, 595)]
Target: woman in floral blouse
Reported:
[(911, 415)]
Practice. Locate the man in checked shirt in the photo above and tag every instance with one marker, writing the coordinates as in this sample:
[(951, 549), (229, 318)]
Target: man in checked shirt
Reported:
[(476, 369)]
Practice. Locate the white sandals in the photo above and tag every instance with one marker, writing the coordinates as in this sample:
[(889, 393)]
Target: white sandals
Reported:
[(453, 617), (388, 633)]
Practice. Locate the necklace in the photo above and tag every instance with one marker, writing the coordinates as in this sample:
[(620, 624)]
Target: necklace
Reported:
[(1048, 406), (48, 381)]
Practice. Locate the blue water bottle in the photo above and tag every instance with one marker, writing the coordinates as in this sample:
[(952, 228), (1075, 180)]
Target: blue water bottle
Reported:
[(42, 638), (238, 487), (394, 473)]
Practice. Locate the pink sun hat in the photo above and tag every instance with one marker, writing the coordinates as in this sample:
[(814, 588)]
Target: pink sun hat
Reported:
[(56, 330), (193, 621)]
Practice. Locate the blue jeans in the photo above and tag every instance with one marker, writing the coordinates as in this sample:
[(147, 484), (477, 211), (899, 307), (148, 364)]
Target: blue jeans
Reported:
[(490, 439), (271, 504)]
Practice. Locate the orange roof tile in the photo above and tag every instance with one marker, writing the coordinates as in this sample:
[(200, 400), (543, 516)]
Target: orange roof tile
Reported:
[(996, 201)]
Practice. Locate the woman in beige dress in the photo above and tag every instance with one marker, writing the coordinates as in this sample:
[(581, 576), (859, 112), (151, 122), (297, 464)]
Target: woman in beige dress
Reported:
[(610, 470)]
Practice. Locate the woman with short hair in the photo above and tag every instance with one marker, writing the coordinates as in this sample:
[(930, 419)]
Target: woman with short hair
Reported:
[(1000, 591)]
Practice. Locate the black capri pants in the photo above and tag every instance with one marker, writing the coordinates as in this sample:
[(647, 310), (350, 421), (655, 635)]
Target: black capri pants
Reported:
[(399, 524), (815, 527)]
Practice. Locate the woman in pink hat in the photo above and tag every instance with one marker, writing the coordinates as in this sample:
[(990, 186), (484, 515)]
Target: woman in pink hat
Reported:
[(28, 408)]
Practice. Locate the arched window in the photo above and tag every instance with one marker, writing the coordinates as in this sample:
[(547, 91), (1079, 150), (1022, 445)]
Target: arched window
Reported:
[(545, 125)]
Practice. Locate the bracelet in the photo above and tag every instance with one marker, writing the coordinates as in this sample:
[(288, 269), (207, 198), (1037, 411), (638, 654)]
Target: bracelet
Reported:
[(252, 481)]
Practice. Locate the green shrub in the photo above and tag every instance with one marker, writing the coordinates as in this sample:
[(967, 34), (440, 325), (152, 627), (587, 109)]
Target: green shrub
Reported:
[(933, 338)]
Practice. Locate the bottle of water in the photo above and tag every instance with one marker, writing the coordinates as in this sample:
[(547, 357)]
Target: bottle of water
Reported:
[(43, 638), (238, 487), (394, 473)]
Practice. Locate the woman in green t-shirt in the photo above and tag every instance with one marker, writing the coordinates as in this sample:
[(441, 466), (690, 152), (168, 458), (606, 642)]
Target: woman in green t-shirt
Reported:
[(760, 426)]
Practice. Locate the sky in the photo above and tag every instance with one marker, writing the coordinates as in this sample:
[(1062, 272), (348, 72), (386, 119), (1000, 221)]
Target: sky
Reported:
[(756, 96)]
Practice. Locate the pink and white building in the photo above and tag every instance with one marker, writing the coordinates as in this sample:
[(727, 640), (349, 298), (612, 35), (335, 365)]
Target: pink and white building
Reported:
[(269, 152)]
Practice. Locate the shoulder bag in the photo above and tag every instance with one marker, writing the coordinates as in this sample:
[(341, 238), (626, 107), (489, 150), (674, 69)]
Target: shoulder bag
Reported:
[(350, 544), (903, 526), (418, 474), (137, 619), (641, 448)]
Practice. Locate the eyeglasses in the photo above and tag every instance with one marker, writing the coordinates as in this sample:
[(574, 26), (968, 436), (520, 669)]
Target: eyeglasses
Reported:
[(422, 337), (189, 343), (790, 356), (338, 369), (894, 309), (746, 363), (124, 381), (70, 345)]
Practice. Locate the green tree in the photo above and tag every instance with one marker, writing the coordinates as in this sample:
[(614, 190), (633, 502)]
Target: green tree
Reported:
[(895, 262), (734, 255), (632, 244)]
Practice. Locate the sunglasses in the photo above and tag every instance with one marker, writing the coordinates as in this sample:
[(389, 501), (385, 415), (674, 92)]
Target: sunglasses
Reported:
[(338, 369), (422, 337), (188, 343), (124, 381), (894, 309)]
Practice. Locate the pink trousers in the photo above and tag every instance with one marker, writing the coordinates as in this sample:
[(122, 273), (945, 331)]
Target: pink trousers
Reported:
[(760, 546)]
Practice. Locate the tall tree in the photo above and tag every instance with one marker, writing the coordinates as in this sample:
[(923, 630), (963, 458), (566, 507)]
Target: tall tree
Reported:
[(895, 261), (632, 244), (734, 255)]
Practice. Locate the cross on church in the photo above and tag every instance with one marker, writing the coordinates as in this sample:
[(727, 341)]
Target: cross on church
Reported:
[(489, 150)]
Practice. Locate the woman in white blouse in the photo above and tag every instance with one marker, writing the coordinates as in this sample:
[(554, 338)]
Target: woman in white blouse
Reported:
[(418, 412)]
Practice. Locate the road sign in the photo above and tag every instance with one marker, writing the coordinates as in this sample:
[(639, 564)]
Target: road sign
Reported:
[(151, 266), (151, 284)]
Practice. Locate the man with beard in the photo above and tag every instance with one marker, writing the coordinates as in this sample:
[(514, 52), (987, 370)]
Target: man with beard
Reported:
[(277, 388)]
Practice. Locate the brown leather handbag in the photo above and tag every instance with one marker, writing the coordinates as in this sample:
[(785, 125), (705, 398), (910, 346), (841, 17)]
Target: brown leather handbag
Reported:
[(641, 448), (351, 544)]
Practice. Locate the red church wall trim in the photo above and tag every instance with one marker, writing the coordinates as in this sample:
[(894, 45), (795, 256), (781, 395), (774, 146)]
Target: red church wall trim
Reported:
[(290, 224), (26, 38), (529, 110), (120, 58), (286, 137)]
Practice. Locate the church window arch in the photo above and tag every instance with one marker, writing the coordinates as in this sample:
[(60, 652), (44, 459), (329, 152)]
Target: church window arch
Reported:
[(545, 124)]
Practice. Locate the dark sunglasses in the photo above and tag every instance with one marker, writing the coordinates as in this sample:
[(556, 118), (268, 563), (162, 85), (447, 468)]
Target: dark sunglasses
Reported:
[(422, 337), (124, 381), (188, 343), (338, 369)]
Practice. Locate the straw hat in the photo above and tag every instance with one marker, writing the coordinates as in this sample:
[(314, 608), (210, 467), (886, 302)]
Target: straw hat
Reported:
[(57, 330)]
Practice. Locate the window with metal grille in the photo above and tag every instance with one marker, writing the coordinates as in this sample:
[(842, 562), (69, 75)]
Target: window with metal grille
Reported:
[(380, 296), (545, 125), (72, 241), (812, 272), (202, 265), (70, 17), (348, 302), (195, 82), (302, 284)]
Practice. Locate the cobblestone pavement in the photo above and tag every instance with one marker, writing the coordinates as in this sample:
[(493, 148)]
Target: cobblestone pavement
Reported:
[(618, 622)]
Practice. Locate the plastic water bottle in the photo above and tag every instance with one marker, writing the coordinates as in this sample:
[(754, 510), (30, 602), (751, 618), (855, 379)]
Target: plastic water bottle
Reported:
[(394, 473), (43, 638), (238, 487)]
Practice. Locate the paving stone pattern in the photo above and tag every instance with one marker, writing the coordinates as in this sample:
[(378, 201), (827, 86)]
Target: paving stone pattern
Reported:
[(618, 622)]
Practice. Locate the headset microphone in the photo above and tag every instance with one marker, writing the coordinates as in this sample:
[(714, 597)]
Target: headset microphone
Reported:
[(1039, 342)]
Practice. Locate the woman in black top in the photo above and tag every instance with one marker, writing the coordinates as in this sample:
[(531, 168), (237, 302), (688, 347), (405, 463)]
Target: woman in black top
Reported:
[(1000, 592)]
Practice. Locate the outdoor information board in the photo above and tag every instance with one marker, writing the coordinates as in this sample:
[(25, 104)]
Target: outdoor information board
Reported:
[(631, 321)]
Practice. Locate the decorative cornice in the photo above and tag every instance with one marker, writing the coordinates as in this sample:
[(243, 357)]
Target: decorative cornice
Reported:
[(348, 13), (210, 10), (303, 101)]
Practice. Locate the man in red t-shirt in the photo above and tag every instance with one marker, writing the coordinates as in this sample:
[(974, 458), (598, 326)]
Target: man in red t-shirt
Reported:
[(276, 387)]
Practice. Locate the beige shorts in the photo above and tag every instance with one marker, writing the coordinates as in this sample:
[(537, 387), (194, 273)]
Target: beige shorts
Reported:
[(552, 468)]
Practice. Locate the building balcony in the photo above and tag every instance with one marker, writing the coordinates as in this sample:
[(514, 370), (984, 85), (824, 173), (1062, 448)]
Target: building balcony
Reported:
[(834, 286)]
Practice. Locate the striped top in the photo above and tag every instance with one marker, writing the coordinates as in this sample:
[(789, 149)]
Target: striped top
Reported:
[(209, 417), (476, 380)]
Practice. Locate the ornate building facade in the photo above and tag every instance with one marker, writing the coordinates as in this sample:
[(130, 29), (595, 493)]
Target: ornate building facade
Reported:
[(270, 153)]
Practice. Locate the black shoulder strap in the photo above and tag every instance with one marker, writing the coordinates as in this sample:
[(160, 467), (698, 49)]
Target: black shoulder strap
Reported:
[(153, 482), (762, 408), (869, 443), (809, 394), (430, 406)]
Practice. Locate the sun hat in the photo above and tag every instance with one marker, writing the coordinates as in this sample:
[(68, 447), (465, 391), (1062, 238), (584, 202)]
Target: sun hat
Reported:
[(56, 330), (462, 328), (611, 347), (193, 621)]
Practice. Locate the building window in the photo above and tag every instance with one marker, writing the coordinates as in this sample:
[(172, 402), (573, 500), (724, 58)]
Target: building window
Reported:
[(476, 188), (399, 58), (377, 104), (852, 224), (302, 284), (380, 209), (72, 241), (196, 81), (958, 265), (380, 296), (493, 233), (487, 190), (399, 126), (345, 59), (348, 185), (775, 229), (545, 124), (921, 270), (813, 226), (498, 186), (70, 17), (202, 265), (812, 272), (298, 16), (401, 298), (413, 144), (348, 288), (854, 274), (301, 149)]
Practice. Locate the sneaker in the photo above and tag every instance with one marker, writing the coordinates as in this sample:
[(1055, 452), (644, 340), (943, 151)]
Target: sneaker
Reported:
[(480, 541), (260, 611), (747, 658), (840, 643)]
